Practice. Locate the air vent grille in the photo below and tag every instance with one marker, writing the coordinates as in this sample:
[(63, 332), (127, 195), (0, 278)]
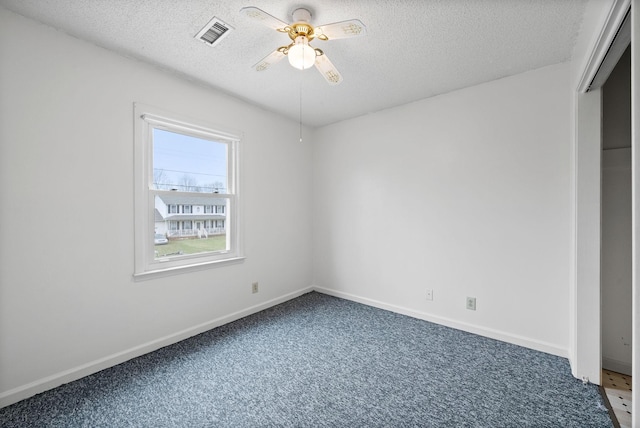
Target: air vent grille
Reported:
[(214, 32)]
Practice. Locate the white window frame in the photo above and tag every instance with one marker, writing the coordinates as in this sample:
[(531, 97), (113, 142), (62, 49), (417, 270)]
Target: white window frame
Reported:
[(147, 118)]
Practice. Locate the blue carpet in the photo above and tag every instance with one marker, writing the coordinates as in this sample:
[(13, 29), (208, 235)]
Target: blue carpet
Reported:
[(320, 361)]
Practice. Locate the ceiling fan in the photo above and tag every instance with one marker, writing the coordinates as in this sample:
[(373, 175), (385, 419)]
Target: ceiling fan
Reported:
[(300, 53)]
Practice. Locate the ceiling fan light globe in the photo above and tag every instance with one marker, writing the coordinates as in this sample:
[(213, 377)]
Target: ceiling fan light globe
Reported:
[(301, 55)]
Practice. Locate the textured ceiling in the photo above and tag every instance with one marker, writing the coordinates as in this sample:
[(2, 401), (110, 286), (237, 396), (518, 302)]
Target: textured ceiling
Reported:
[(413, 49)]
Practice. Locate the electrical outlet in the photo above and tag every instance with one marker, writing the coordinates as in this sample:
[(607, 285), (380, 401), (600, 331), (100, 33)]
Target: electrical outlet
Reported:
[(429, 294), (471, 303), (254, 287)]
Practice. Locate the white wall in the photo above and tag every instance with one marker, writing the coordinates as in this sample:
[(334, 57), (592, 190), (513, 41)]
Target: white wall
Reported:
[(68, 304), (468, 194)]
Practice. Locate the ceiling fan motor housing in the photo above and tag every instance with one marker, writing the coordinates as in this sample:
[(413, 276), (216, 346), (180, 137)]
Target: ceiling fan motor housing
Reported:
[(301, 29)]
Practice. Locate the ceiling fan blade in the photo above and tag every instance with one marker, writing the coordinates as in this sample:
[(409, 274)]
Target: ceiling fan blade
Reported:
[(269, 60), (328, 71), (340, 30), (263, 17)]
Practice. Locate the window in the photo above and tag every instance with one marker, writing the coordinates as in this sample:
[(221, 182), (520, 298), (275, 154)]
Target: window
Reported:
[(181, 164)]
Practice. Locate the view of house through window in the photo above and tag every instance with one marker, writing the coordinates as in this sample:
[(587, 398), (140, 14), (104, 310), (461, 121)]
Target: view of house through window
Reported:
[(190, 179)]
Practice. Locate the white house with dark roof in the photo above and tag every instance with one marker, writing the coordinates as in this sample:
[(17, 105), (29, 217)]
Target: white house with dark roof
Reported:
[(190, 216)]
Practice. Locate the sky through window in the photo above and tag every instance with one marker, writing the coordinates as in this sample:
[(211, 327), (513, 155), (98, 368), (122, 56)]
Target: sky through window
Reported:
[(186, 163)]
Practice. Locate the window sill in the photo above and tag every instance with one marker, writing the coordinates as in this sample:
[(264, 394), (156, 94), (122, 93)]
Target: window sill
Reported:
[(159, 273)]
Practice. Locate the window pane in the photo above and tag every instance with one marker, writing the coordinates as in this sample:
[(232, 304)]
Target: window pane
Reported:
[(193, 231), (188, 164), (182, 163)]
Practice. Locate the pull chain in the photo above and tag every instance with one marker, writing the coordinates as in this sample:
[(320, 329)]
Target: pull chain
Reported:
[(301, 107)]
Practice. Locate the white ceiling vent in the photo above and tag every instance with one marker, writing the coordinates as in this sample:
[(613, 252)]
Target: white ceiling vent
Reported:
[(214, 32)]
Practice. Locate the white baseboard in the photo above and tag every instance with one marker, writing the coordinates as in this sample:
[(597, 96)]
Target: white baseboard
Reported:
[(616, 366), (20, 393), (470, 328), (25, 391)]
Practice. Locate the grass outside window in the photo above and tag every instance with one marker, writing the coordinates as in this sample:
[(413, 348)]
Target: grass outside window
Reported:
[(191, 246)]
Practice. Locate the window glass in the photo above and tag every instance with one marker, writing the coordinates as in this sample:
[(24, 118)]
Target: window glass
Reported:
[(194, 170), (188, 164)]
